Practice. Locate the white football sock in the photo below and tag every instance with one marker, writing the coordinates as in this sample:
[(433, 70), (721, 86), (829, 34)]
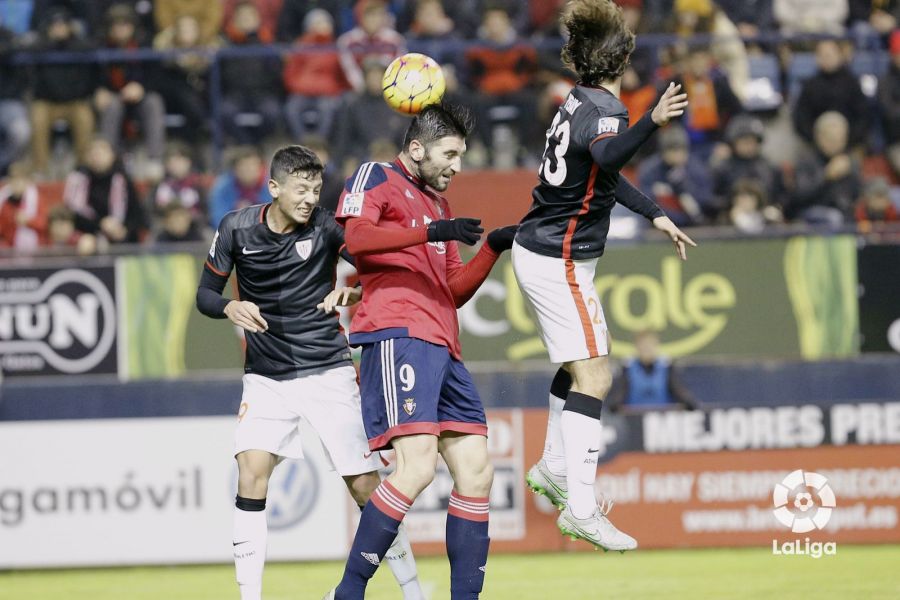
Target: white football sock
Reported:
[(582, 434), (554, 450), (403, 565), (249, 545)]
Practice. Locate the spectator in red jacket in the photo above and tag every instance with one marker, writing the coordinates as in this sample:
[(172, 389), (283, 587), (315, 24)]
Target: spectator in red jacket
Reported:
[(501, 68), (875, 206), (314, 80), (373, 38), (23, 217)]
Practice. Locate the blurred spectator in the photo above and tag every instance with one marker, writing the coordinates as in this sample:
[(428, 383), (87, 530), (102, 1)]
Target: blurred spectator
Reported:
[(699, 17), (827, 179), (98, 21), (746, 201), (183, 79), (881, 16), (126, 90), (178, 225), (84, 19), (365, 117), (677, 181), (372, 38), (61, 228), (207, 13), (15, 131), (181, 186), (745, 162), (252, 85), (244, 184), (649, 380), (15, 15), (23, 217), (803, 16), (332, 179), (543, 17), (751, 17), (637, 96), (268, 13), (314, 80), (103, 197), (833, 88), (889, 99), (712, 101), (432, 28), (876, 206), (501, 67), (466, 14), (61, 91), (292, 18)]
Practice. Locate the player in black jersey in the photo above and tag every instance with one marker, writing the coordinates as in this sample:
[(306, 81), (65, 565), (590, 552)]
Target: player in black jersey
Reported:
[(557, 247), (297, 359)]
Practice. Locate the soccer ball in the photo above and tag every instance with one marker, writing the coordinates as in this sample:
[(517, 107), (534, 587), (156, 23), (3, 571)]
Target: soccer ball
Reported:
[(412, 82)]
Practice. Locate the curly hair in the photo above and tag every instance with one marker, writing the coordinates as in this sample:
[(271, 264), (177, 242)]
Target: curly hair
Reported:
[(599, 42)]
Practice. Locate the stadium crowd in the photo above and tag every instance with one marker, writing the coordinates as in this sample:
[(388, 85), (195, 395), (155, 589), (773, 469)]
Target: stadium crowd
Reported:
[(794, 114)]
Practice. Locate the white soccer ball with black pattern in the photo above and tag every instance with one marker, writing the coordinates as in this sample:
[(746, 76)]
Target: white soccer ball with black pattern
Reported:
[(412, 82)]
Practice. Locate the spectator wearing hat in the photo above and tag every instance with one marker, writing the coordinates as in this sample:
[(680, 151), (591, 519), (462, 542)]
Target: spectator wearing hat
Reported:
[(875, 206), (889, 101), (745, 162), (372, 38), (127, 89), (827, 178), (315, 80), (833, 88), (677, 181), (61, 91)]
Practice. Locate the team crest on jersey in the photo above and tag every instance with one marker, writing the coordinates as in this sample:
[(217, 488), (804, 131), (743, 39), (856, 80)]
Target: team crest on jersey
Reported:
[(304, 247), (352, 205), (409, 405), (608, 125)]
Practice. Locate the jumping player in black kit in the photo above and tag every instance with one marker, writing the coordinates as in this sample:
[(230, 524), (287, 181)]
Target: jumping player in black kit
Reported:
[(556, 250), (297, 361)]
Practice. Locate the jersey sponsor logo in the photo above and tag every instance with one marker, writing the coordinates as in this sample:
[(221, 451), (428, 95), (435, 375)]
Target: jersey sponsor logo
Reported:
[(409, 195), (304, 248), (353, 204), (212, 248), (572, 104), (409, 405), (608, 125), (245, 251)]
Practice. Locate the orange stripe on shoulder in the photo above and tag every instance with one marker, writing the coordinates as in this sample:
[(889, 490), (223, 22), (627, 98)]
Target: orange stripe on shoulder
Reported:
[(602, 136)]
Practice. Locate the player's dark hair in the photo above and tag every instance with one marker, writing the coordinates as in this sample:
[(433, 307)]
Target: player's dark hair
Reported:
[(295, 160), (599, 42), (437, 121)]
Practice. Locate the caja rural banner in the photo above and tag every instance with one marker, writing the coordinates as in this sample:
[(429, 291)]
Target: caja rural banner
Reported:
[(761, 298)]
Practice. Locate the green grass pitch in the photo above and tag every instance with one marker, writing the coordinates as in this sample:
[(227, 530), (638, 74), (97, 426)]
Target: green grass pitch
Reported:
[(856, 572)]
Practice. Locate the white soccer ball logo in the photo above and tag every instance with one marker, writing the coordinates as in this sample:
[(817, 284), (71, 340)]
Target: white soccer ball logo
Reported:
[(803, 501)]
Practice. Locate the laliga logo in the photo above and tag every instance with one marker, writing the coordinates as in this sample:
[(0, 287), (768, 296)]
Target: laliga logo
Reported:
[(801, 522), (65, 310)]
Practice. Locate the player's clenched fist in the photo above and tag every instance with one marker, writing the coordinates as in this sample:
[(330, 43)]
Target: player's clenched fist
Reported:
[(671, 105), (246, 315), (502, 238), (345, 296), (467, 231)]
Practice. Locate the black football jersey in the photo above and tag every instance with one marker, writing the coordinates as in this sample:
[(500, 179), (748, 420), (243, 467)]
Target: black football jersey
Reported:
[(569, 215), (286, 275)]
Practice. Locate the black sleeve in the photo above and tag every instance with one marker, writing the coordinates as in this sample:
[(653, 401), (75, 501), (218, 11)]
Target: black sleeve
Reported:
[(636, 201), (612, 152), (209, 294)]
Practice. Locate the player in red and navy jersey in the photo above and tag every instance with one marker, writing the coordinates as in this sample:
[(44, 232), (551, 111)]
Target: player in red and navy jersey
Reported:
[(297, 361), (556, 250), (417, 395)]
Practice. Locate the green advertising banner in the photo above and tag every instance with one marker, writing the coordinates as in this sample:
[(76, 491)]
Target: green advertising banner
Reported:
[(779, 298)]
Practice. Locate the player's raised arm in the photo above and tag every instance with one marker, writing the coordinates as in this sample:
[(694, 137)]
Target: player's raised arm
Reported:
[(612, 150), (465, 279)]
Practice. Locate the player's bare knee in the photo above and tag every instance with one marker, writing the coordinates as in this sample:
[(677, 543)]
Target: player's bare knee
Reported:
[(361, 486), (591, 377), (417, 473), (252, 484), (475, 480)]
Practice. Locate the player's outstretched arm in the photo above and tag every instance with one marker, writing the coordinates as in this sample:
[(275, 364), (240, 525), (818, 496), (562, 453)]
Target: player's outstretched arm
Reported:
[(635, 200), (464, 280), (678, 237), (343, 296), (363, 237), (611, 152)]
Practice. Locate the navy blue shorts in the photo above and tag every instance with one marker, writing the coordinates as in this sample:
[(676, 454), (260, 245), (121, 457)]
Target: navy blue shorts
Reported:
[(411, 386)]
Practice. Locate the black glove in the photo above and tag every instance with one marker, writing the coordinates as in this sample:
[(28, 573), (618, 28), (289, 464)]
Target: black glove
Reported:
[(467, 231), (502, 239)]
